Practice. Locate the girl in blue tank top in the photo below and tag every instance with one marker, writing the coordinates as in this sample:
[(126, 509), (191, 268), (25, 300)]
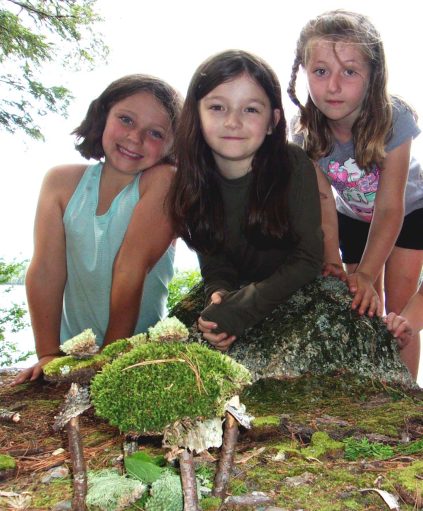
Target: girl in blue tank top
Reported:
[(103, 254)]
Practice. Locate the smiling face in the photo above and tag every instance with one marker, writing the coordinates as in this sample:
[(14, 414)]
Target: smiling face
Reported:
[(137, 135), (235, 118), (338, 75)]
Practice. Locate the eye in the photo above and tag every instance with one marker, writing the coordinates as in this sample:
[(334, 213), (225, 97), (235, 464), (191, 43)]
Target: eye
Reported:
[(320, 71), (216, 108), (349, 72), (251, 110), (156, 134), (125, 119)]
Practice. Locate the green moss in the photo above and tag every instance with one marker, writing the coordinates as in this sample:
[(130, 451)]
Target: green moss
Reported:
[(46, 496), (268, 420), (409, 477), (65, 365), (117, 348), (210, 504), (322, 445), (7, 462), (195, 382)]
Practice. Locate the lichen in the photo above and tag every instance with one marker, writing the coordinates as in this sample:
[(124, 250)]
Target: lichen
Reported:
[(168, 330), (166, 494), (315, 331), (82, 345)]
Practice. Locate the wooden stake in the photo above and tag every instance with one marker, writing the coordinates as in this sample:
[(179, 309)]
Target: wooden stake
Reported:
[(189, 484), (230, 437), (78, 465)]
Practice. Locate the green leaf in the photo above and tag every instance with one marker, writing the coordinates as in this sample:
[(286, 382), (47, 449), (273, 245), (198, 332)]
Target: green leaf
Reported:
[(141, 466)]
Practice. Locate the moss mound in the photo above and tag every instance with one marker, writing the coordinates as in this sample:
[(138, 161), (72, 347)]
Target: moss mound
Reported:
[(187, 380)]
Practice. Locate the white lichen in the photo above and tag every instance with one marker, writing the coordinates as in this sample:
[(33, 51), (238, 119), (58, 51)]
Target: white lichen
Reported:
[(138, 339), (168, 330), (82, 345), (109, 491)]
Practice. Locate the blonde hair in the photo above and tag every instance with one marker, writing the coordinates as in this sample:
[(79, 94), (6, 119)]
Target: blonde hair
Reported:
[(373, 126)]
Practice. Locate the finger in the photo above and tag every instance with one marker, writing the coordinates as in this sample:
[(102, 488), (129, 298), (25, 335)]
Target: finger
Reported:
[(22, 377), (216, 298), (215, 338), (36, 373), (206, 325)]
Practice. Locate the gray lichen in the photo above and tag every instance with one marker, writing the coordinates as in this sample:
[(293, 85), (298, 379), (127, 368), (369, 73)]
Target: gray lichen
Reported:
[(315, 331)]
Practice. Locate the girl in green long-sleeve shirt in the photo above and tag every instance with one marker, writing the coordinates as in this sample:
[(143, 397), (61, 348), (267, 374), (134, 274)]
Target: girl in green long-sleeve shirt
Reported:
[(244, 199)]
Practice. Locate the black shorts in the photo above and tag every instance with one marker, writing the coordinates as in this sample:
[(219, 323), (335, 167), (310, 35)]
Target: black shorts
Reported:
[(353, 235)]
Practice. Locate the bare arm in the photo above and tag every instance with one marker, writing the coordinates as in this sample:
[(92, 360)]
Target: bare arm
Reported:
[(386, 223), (46, 276), (148, 236), (332, 260)]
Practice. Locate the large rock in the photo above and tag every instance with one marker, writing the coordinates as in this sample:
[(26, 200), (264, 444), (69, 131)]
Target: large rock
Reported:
[(314, 332)]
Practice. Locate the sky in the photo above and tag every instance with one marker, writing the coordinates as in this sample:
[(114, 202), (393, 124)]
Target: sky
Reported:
[(170, 39)]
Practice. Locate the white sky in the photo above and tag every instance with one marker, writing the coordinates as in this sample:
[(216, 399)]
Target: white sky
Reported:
[(170, 39)]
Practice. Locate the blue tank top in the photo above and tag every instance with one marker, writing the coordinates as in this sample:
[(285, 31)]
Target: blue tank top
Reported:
[(92, 242)]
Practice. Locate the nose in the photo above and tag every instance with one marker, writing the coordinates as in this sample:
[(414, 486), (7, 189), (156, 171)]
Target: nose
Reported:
[(334, 84), (233, 119), (135, 136)]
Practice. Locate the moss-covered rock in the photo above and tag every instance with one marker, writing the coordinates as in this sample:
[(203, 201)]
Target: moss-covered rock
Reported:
[(315, 331), (169, 381)]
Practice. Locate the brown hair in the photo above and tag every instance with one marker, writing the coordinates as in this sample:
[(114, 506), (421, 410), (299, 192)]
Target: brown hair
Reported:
[(373, 127), (195, 198), (92, 127)]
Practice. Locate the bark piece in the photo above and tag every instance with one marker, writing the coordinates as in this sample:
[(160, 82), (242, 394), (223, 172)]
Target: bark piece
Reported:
[(230, 437)]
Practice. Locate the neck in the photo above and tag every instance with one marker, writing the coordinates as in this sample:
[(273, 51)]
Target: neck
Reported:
[(341, 131)]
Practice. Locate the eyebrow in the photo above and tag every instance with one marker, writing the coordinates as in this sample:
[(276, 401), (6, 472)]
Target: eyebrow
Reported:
[(224, 98)]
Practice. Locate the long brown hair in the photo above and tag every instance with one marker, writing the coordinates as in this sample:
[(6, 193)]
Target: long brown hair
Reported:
[(373, 127), (195, 199)]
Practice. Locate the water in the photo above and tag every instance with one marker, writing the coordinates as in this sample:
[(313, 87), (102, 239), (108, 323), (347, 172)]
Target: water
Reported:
[(25, 340)]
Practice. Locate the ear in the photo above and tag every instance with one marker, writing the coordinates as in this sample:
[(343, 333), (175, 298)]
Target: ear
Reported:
[(275, 120)]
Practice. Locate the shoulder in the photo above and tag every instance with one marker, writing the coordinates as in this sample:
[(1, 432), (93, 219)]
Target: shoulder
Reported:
[(404, 123), (61, 181), (64, 175), (158, 176), (298, 157)]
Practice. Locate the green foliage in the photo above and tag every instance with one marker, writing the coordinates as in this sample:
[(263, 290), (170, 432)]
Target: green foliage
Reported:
[(180, 286), (109, 491), (12, 318), (322, 445), (166, 494), (412, 448), (170, 382), (141, 466), (355, 449), (34, 33)]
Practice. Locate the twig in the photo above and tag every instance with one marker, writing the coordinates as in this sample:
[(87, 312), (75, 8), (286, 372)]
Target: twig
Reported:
[(189, 484), (77, 401), (230, 437)]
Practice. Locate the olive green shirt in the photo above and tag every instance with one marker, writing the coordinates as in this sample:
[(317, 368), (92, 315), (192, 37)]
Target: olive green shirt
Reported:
[(257, 280)]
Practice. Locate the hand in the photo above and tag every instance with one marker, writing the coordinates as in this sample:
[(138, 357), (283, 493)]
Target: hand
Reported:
[(400, 328), (334, 270), (221, 341), (365, 295), (34, 372)]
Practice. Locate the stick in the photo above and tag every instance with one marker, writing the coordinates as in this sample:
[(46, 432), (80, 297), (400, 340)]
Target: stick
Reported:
[(78, 464), (230, 437), (189, 484)]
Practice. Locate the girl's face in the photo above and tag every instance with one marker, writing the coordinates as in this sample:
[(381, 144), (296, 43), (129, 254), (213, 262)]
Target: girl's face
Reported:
[(137, 135), (338, 75), (235, 118)]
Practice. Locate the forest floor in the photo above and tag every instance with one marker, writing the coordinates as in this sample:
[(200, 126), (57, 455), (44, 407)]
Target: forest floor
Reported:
[(372, 440)]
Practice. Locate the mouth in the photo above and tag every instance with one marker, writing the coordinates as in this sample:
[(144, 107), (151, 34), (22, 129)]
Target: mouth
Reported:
[(232, 138), (334, 102), (129, 154)]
